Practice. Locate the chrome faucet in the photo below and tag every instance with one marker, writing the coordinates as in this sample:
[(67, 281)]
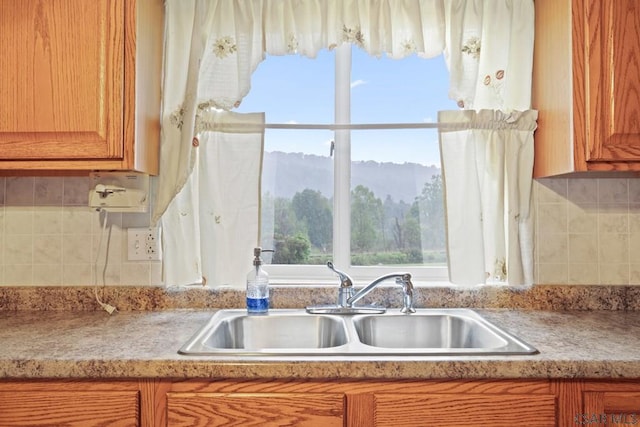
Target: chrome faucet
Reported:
[(345, 292), (403, 279), (347, 295)]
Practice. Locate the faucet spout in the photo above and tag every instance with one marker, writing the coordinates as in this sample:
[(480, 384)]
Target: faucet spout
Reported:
[(403, 279), (347, 295)]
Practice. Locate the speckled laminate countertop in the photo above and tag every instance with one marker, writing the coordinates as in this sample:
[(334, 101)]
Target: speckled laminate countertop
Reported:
[(92, 344)]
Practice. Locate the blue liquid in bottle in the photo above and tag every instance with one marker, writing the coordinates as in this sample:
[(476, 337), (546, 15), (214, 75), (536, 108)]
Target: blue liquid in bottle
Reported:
[(257, 305), (257, 291)]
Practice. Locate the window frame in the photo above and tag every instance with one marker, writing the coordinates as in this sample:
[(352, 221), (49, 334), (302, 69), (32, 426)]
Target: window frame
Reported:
[(303, 274)]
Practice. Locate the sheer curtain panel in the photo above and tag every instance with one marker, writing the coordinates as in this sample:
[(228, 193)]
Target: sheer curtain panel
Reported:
[(487, 155), (487, 160)]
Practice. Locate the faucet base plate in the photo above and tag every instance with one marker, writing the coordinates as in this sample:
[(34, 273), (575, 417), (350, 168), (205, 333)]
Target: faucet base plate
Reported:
[(336, 309)]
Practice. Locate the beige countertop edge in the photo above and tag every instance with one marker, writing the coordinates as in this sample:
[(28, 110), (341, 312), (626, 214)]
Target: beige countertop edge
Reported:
[(45, 344), (477, 368)]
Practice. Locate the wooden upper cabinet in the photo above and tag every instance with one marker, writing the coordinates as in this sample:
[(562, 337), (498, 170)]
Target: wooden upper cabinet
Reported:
[(80, 84), (586, 86)]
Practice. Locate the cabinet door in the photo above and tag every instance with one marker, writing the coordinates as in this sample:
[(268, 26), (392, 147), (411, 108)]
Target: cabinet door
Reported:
[(255, 409), (61, 79), (71, 409), (455, 410), (612, 85), (610, 408)]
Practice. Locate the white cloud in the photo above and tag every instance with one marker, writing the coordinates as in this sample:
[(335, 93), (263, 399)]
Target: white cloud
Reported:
[(428, 120), (292, 122), (358, 82)]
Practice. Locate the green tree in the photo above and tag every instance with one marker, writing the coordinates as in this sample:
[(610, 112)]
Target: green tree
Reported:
[(394, 222), (314, 211), (366, 216), (284, 218), (292, 250), (428, 209), (411, 231), (267, 225)]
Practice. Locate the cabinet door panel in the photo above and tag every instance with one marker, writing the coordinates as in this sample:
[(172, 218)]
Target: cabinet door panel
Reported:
[(70, 409), (611, 408), (613, 80), (61, 79), (452, 410), (255, 409)]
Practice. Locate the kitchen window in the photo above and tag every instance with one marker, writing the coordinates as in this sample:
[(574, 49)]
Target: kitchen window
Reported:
[(212, 138), (368, 195)]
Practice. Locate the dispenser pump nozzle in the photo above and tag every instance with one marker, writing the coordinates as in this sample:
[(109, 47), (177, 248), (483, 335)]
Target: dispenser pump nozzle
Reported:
[(257, 260)]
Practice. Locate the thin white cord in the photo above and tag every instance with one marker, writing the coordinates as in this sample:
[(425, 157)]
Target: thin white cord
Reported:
[(107, 307)]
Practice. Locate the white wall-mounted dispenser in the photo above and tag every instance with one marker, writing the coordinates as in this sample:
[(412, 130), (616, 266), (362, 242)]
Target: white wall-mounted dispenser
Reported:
[(119, 191)]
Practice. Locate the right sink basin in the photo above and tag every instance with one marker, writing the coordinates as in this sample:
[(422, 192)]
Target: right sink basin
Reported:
[(437, 331)]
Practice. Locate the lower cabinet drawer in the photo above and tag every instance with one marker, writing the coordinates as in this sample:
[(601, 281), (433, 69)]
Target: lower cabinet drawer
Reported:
[(69, 408), (444, 410), (255, 409)]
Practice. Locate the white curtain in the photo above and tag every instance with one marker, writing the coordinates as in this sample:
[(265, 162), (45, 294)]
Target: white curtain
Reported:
[(487, 156), (487, 159), (213, 46), (211, 225), (211, 49)]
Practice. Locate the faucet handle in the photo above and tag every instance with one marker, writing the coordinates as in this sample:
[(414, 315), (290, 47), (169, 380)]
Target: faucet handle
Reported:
[(407, 291), (345, 280)]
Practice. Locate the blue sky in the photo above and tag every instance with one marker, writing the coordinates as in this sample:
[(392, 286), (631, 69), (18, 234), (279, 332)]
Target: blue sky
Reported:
[(295, 89)]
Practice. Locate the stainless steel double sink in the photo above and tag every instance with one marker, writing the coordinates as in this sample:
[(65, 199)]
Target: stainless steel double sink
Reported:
[(295, 332)]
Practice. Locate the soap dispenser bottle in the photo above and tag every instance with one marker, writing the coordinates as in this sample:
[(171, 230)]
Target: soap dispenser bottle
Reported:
[(257, 286)]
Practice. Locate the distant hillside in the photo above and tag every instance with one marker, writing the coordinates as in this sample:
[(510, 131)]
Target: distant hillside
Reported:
[(293, 172)]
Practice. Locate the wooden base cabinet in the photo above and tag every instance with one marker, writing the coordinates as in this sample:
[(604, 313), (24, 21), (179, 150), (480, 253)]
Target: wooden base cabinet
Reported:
[(446, 410), (361, 403), (458, 403), (69, 404), (255, 409), (320, 403), (610, 404)]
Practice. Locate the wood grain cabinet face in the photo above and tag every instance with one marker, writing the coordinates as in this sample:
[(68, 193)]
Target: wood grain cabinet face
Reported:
[(255, 409), (62, 79), (454, 410), (612, 84), (487, 403), (69, 408), (586, 86), (610, 404), (68, 92)]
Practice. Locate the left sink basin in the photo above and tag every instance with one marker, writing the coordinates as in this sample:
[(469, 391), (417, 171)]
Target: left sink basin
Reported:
[(281, 332)]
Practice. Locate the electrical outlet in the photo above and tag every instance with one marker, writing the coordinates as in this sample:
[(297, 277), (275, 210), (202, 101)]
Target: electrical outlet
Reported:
[(143, 244)]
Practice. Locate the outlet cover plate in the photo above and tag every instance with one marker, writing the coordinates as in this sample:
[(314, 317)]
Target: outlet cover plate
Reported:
[(143, 244)]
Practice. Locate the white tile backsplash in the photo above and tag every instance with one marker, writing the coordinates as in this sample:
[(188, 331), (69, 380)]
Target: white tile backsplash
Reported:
[(49, 236), (602, 234), (587, 232)]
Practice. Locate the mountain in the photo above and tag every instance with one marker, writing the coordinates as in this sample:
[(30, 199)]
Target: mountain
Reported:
[(285, 174)]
